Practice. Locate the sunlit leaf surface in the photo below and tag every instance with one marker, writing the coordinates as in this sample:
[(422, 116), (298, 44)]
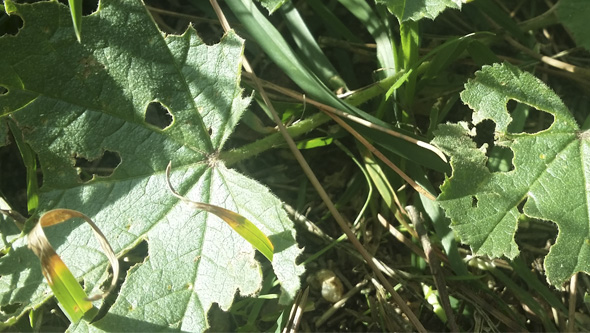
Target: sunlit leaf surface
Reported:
[(88, 101)]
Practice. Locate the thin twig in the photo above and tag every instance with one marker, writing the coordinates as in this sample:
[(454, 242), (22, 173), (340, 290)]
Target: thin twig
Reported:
[(332, 112), (548, 60)]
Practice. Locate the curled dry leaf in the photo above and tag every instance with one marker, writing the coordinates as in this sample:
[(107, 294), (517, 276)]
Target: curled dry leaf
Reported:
[(66, 288)]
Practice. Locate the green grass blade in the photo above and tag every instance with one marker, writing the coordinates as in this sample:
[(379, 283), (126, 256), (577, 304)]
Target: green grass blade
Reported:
[(70, 295), (332, 22), (76, 11), (450, 43), (315, 142), (30, 162), (275, 46), (535, 284), (312, 54), (379, 29), (410, 43), (525, 297)]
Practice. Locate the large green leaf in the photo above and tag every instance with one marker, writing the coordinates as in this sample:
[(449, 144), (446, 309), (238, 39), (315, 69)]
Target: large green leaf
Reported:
[(80, 100), (418, 9), (551, 174), (574, 15)]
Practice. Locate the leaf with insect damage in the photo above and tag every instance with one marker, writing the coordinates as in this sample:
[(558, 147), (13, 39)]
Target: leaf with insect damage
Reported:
[(549, 178), (105, 116)]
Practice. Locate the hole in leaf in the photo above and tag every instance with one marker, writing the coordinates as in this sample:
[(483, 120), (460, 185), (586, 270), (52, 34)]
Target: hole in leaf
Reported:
[(134, 257), (88, 6), (10, 308), (535, 233), (101, 167), (39, 172), (210, 131), (3, 90), (473, 201), (158, 115), (511, 105), (500, 159), (538, 121), (221, 319), (13, 175), (10, 24), (520, 206), (527, 119), (485, 133)]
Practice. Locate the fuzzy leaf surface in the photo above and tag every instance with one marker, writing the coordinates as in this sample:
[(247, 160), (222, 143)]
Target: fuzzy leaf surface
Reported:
[(415, 10), (83, 100), (550, 179)]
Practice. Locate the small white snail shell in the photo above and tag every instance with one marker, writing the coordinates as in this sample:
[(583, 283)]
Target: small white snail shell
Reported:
[(330, 284)]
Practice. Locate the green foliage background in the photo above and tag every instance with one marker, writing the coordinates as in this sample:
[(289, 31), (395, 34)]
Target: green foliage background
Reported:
[(498, 87)]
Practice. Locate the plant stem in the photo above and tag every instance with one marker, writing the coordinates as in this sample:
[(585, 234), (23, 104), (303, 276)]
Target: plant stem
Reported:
[(274, 140)]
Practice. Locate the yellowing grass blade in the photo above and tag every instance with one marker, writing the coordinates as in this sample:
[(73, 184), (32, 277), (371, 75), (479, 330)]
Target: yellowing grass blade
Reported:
[(65, 287), (240, 224), (70, 295)]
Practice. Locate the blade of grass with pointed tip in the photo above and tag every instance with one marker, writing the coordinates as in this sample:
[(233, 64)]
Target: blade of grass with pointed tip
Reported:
[(76, 10), (240, 224)]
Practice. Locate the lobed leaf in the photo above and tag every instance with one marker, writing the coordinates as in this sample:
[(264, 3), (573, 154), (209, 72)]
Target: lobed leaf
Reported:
[(550, 179), (86, 100)]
